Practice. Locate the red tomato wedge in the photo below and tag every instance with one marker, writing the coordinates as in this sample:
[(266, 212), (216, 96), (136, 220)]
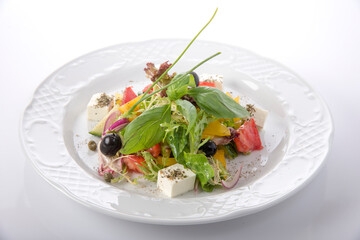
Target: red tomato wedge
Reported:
[(206, 84), (147, 87), (155, 150), (128, 95), (249, 138), (132, 162)]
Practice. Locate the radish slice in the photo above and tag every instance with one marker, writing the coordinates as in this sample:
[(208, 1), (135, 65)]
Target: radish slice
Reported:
[(234, 181), (110, 120), (118, 125)]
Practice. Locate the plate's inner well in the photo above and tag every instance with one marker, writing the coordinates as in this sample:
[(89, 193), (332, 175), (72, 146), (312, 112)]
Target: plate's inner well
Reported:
[(274, 134)]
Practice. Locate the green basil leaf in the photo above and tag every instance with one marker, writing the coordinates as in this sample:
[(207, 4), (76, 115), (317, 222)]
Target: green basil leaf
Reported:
[(180, 88), (217, 103), (192, 82), (199, 164), (145, 131), (188, 111)]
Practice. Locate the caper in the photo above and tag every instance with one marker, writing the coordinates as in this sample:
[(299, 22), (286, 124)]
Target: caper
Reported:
[(108, 176), (92, 145)]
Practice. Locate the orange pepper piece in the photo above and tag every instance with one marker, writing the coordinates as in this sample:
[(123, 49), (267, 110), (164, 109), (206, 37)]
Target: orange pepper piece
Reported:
[(126, 107), (220, 156)]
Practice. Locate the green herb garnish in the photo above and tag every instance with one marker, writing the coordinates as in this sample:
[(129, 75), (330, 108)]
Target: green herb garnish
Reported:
[(177, 140), (199, 164), (217, 103), (145, 131), (146, 95), (181, 87), (149, 168), (188, 111)]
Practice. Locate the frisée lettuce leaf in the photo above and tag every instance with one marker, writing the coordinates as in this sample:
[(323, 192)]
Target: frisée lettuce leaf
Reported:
[(199, 164), (188, 111)]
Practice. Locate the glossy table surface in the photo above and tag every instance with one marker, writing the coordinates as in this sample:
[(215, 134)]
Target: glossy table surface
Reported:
[(317, 39)]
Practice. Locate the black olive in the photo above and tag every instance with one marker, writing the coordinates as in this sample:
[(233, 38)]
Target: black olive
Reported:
[(110, 144), (196, 78), (209, 148)]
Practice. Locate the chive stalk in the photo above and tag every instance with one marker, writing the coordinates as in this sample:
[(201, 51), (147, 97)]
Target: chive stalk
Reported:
[(172, 83), (146, 95)]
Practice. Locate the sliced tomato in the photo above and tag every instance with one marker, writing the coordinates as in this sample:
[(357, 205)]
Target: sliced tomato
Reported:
[(147, 87), (206, 84), (132, 162), (155, 150), (128, 95), (249, 138)]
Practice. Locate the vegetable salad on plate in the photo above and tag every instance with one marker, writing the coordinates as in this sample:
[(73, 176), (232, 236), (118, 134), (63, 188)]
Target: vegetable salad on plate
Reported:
[(178, 135), (177, 132)]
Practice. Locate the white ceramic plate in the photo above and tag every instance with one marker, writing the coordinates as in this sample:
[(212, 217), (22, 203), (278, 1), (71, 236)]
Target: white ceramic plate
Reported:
[(296, 136)]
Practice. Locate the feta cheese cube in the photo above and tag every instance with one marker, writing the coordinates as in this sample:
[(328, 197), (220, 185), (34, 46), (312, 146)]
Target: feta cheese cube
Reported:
[(97, 108), (259, 115), (213, 78), (175, 180)]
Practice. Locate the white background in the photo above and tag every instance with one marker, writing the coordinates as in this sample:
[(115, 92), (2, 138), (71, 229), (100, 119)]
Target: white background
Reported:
[(320, 40)]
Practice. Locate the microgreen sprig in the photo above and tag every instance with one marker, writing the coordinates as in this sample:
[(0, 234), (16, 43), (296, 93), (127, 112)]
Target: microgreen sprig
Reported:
[(146, 95), (172, 83)]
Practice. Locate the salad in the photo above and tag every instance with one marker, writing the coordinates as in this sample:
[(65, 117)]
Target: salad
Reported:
[(176, 132)]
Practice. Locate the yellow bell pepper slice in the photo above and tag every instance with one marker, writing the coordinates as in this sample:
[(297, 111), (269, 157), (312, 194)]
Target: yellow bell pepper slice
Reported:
[(215, 128), (167, 163), (227, 93), (235, 99), (220, 156)]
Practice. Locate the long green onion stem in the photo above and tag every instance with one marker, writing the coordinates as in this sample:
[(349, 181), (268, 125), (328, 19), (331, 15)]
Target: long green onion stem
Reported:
[(146, 95), (172, 83)]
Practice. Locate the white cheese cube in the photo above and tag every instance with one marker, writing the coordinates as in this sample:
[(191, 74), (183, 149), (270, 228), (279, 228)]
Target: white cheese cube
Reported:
[(97, 108), (259, 116), (213, 78), (175, 180)]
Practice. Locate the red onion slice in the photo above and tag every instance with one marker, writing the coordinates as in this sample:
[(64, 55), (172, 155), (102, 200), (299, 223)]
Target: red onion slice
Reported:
[(118, 125), (110, 120), (234, 180), (196, 185), (103, 162), (117, 164)]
